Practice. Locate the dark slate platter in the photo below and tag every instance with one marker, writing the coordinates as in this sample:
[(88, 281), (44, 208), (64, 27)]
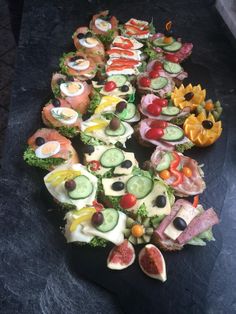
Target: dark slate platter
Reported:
[(39, 272)]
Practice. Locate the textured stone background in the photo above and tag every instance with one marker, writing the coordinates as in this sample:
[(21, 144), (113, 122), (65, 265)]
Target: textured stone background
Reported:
[(7, 62)]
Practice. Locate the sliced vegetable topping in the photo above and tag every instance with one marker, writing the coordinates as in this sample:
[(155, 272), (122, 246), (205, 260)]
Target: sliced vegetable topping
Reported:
[(112, 157), (83, 188), (140, 186), (110, 220)]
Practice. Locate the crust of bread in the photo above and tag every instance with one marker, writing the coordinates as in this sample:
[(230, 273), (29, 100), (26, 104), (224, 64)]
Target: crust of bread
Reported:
[(166, 245), (140, 139)]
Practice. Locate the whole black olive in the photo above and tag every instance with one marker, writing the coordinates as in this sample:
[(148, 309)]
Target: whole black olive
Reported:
[(179, 223), (88, 34), (100, 82), (126, 164), (89, 82), (70, 79), (207, 124), (56, 102), (168, 33), (39, 141), (160, 201), (118, 186), (60, 81), (120, 106), (70, 185), (86, 116), (88, 149), (114, 123), (124, 88), (80, 36), (188, 96), (97, 219)]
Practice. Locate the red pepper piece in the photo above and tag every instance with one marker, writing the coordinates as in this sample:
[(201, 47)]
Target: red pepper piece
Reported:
[(195, 201), (94, 165), (97, 206), (174, 164), (178, 175)]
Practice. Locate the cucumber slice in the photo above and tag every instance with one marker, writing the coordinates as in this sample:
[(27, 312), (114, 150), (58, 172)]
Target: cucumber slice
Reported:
[(118, 79), (164, 162), (175, 46), (83, 188), (158, 42), (112, 157), (173, 133), (171, 67), (140, 186), (170, 111), (111, 218), (128, 113), (159, 82), (120, 131)]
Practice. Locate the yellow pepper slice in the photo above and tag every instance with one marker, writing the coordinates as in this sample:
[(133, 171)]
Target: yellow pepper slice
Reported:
[(84, 214), (96, 127), (59, 176)]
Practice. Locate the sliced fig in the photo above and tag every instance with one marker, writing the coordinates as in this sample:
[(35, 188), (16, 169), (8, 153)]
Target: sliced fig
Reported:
[(121, 256), (152, 262)]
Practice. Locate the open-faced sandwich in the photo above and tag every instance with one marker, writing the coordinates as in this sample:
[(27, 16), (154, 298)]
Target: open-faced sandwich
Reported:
[(85, 41), (78, 65), (180, 172), (101, 131), (72, 186), (47, 149), (186, 224), (162, 134), (137, 29), (72, 91)]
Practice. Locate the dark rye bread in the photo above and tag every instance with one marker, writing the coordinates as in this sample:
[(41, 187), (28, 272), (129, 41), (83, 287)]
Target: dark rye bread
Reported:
[(140, 140)]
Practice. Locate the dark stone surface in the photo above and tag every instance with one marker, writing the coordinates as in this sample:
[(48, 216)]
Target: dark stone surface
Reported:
[(39, 273)]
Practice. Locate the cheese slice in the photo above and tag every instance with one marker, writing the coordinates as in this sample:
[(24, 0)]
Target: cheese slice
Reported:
[(187, 213), (126, 171), (107, 185), (115, 236), (60, 193)]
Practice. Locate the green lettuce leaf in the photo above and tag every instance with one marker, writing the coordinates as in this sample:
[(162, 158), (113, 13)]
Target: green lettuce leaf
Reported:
[(182, 147), (63, 67), (142, 211), (107, 38), (31, 159), (86, 139), (68, 131), (94, 102), (98, 242)]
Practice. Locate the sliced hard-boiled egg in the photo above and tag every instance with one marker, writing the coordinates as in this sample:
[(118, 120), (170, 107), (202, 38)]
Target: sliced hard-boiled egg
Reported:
[(89, 42), (102, 25), (72, 88), (64, 115), (48, 149), (79, 64)]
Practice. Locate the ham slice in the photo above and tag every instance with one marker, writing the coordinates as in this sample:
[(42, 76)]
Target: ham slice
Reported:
[(198, 225), (148, 99), (191, 185), (144, 126)]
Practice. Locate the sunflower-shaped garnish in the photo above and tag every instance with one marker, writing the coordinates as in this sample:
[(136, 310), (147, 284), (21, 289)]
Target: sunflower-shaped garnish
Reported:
[(202, 130), (209, 106), (139, 230), (189, 96)]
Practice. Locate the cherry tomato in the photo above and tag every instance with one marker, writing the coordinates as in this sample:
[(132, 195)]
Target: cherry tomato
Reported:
[(158, 124), (160, 102), (137, 231), (145, 81), (164, 174), (154, 133), (187, 172), (154, 109), (94, 165), (109, 86), (128, 200), (157, 66), (172, 58), (153, 74)]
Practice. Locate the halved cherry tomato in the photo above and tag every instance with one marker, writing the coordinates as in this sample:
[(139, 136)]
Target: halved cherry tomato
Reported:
[(165, 174), (160, 102), (137, 230), (178, 177), (153, 74), (154, 110), (158, 124), (94, 165), (157, 66), (187, 172), (172, 58), (144, 81), (154, 133), (109, 86), (128, 200)]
